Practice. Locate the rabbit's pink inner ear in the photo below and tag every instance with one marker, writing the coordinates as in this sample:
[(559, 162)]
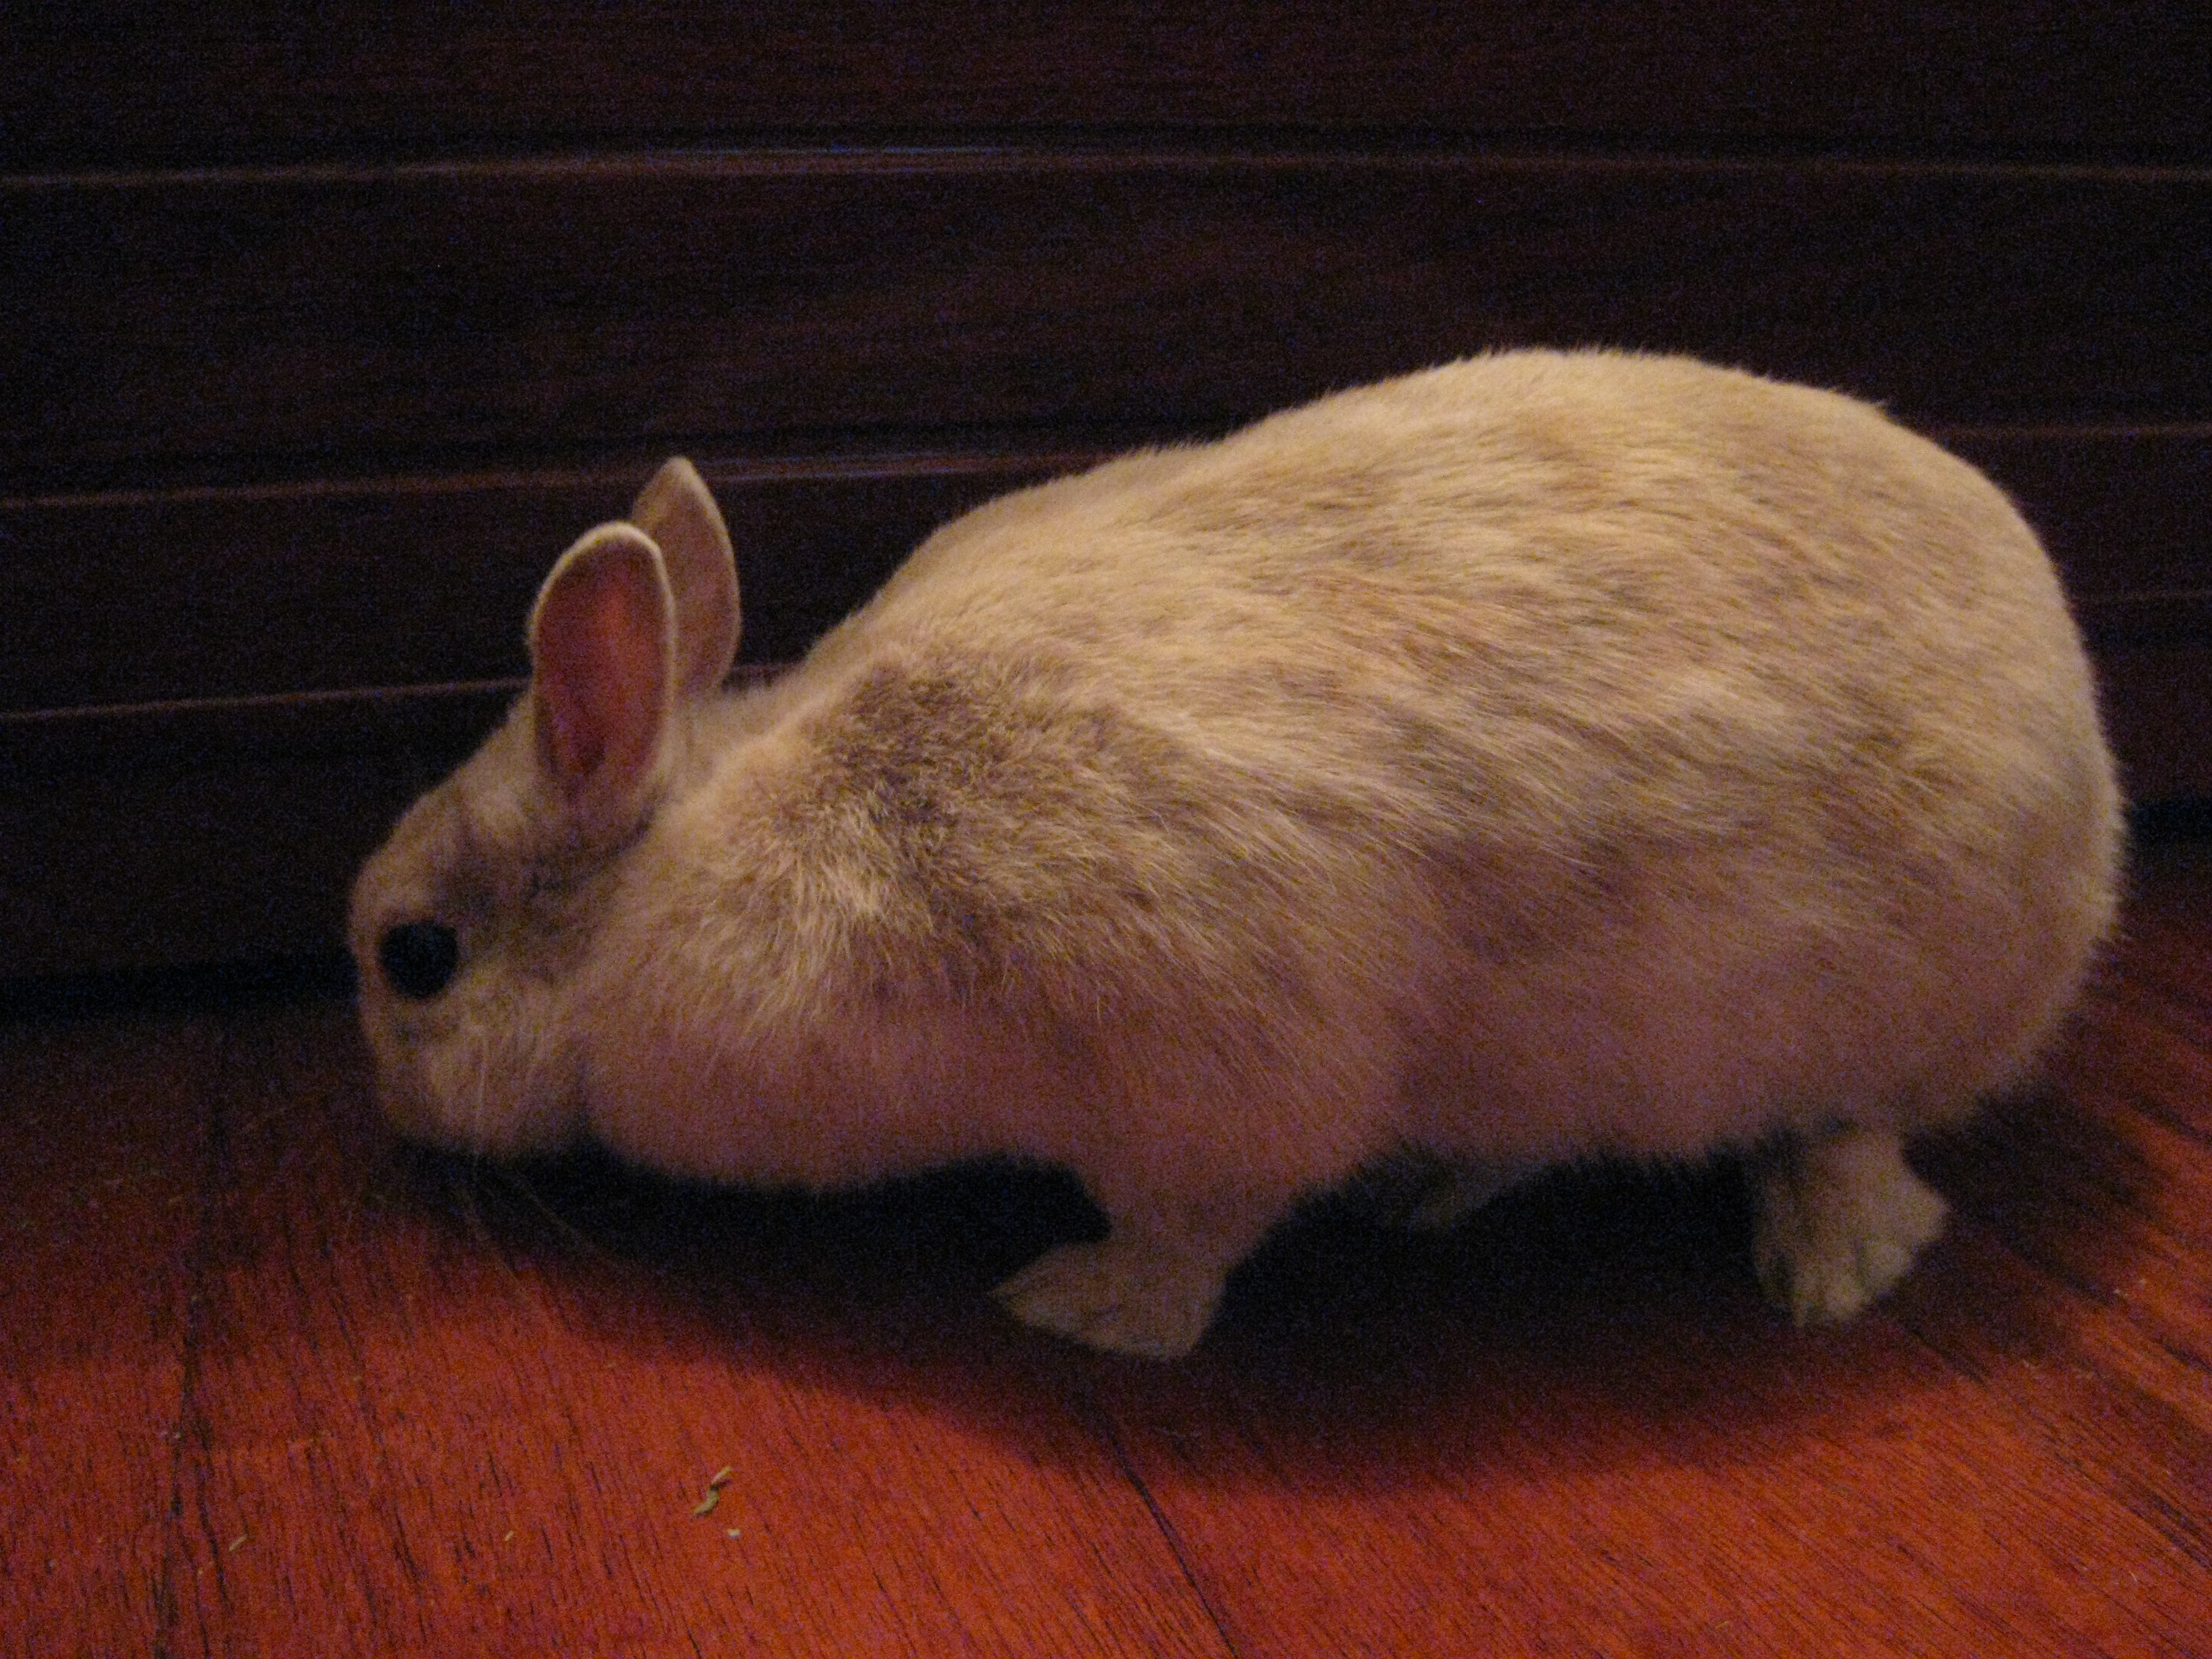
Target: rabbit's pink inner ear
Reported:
[(677, 511), (600, 650)]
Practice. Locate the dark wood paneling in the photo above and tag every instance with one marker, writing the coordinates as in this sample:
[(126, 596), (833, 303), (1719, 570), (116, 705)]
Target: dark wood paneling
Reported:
[(2158, 713), (137, 597), (167, 83), (429, 726), (292, 320), (323, 331), (261, 591), (190, 767), (137, 864), (2123, 512)]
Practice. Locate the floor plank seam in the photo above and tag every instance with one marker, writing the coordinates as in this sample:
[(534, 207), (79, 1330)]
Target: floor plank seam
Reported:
[(1102, 1420), (190, 1426)]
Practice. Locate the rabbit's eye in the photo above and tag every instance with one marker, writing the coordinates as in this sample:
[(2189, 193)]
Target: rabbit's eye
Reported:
[(418, 959)]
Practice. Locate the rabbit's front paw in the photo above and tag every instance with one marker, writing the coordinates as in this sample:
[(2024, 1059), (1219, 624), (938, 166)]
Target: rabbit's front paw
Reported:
[(1127, 1296), (1840, 1218)]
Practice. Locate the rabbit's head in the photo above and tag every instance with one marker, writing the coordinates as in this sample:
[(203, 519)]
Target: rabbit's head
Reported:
[(471, 928)]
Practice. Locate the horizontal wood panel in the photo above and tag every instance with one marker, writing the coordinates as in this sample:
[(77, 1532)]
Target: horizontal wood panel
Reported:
[(220, 812), (310, 319), (208, 833), (147, 597), (2123, 512), (2157, 700), (165, 82), (438, 723), (153, 596), (199, 861)]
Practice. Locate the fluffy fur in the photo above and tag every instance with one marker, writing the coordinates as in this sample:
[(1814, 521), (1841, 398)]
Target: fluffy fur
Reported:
[(1543, 755)]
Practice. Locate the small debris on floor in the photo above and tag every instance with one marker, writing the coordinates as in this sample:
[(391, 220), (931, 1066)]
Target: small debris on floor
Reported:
[(720, 1479)]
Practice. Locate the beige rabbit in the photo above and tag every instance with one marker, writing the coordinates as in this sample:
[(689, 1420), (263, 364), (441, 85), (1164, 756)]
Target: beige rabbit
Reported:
[(1542, 756)]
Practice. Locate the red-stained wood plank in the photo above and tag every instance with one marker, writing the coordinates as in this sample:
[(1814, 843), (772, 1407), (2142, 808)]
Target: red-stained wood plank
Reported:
[(270, 1381), (1568, 1470), (104, 1142), (2074, 1374), (2102, 1166), (432, 1419)]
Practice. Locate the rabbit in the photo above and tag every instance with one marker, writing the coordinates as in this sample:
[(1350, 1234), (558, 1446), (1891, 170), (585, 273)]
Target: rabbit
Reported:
[(1544, 757)]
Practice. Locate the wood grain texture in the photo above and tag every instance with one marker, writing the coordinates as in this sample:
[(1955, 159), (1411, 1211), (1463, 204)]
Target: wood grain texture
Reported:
[(557, 306), (141, 596), (142, 864), (267, 1380), (423, 1479), (164, 83), (2157, 700), (104, 1148), (162, 596), (2115, 506)]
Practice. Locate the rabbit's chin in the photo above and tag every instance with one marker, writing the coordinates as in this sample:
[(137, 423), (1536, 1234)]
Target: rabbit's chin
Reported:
[(470, 1133), (471, 1130), (488, 1099)]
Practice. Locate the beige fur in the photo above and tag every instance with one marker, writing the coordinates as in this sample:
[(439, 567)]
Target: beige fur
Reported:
[(1542, 755)]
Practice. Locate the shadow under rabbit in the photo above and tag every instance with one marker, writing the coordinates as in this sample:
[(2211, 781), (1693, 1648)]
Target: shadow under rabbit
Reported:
[(1575, 1322)]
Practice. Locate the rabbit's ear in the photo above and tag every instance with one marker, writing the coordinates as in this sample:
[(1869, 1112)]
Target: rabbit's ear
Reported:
[(603, 657), (677, 510)]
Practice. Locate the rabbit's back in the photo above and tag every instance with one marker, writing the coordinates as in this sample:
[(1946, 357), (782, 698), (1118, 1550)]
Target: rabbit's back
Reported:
[(1543, 599), (1603, 748)]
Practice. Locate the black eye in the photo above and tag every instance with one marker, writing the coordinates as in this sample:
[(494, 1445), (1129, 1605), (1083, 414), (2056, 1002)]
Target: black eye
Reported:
[(418, 959)]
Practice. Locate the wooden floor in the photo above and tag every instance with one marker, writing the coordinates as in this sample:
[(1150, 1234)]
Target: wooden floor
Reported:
[(270, 1383)]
